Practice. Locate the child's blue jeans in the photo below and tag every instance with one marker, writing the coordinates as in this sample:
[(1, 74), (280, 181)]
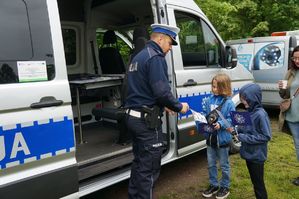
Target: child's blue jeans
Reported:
[(221, 154)]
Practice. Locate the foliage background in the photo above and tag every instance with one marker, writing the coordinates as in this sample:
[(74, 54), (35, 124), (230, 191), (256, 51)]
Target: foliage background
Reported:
[(236, 19)]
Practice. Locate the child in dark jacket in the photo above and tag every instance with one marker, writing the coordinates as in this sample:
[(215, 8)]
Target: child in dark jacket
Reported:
[(254, 138)]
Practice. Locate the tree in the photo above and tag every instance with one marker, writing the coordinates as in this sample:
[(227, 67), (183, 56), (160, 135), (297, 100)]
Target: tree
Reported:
[(251, 18)]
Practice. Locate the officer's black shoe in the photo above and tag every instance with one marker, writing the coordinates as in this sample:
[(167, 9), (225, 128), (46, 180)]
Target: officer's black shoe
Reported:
[(296, 181), (210, 191)]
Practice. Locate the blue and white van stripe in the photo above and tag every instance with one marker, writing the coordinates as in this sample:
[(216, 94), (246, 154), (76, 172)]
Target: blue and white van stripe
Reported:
[(32, 141), (195, 101)]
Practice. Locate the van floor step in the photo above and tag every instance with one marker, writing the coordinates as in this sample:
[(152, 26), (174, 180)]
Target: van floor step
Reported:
[(101, 167)]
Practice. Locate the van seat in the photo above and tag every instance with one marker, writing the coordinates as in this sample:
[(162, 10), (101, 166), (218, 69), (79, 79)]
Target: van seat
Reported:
[(119, 116)]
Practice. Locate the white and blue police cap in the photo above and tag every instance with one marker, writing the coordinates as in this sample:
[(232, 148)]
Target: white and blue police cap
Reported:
[(171, 31)]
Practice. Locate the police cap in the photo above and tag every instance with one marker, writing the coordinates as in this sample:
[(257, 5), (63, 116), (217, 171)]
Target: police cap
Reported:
[(171, 31)]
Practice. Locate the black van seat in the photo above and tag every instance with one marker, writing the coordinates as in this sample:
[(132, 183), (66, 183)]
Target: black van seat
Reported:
[(110, 58), (140, 37), (118, 115), (111, 113)]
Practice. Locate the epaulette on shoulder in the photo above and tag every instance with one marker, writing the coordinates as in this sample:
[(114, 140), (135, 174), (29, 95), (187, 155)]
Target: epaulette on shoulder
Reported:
[(153, 52)]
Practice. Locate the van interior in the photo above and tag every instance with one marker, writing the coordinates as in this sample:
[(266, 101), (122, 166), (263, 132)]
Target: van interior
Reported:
[(100, 37)]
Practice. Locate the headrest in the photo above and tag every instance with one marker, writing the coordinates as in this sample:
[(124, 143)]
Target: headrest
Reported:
[(140, 31), (109, 37)]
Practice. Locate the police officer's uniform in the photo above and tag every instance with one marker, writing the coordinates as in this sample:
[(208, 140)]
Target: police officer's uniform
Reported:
[(148, 85)]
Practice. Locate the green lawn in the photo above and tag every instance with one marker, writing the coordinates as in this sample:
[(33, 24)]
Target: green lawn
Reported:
[(280, 169)]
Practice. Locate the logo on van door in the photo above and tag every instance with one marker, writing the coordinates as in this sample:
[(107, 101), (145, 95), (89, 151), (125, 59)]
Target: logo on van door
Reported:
[(22, 143)]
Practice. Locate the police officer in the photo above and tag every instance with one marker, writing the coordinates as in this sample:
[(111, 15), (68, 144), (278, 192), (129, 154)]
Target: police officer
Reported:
[(148, 94)]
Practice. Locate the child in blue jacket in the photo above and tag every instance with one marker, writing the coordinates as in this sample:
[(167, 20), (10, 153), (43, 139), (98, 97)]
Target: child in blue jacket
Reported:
[(254, 138), (218, 140)]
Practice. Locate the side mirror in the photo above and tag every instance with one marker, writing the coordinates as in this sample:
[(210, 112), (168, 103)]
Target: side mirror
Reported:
[(231, 58)]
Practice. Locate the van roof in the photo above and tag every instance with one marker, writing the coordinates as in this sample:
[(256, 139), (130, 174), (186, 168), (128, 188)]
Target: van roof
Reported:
[(285, 33)]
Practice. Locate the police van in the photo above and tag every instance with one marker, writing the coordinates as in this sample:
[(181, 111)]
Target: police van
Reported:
[(62, 69), (267, 58)]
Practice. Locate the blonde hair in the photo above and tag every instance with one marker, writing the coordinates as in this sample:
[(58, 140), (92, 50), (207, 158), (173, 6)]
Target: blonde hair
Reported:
[(223, 84)]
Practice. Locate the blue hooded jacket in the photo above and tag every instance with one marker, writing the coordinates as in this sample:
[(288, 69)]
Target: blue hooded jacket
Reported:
[(254, 138), (223, 136)]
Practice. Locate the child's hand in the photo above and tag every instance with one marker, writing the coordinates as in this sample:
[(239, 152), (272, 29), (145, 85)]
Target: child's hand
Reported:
[(230, 129), (216, 126)]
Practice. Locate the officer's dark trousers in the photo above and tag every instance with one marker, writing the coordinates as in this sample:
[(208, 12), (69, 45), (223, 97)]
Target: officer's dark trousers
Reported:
[(147, 149), (256, 171)]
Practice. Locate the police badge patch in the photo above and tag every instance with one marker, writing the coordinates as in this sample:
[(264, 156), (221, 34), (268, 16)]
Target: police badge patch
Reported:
[(240, 118)]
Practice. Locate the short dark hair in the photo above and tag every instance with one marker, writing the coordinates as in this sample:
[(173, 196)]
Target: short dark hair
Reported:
[(292, 63)]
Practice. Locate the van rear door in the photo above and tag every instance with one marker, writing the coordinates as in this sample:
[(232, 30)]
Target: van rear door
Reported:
[(37, 145), (267, 59), (270, 64)]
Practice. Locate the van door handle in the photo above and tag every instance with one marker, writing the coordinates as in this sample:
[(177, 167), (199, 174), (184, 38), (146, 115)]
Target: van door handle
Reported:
[(190, 82), (47, 101)]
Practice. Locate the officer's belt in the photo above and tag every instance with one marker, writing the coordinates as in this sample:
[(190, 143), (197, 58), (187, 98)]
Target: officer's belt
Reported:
[(134, 113), (138, 114)]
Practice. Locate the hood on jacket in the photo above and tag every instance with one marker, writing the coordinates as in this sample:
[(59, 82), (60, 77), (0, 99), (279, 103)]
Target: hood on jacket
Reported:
[(252, 93)]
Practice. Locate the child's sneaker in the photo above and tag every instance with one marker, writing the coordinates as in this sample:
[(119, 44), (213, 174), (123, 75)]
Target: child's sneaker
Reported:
[(222, 193), (296, 181), (210, 191)]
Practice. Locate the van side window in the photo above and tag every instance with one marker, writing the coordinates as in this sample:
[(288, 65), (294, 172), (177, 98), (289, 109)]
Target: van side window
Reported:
[(26, 53), (70, 46), (199, 45)]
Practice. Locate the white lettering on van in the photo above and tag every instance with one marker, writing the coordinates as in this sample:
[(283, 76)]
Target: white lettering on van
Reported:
[(2, 148), (19, 144)]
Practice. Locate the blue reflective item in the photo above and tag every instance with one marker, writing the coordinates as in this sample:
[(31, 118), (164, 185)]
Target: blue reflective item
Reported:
[(165, 31)]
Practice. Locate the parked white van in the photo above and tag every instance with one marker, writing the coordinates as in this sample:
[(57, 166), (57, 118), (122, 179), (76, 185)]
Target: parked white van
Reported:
[(54, 79), (268, 59)]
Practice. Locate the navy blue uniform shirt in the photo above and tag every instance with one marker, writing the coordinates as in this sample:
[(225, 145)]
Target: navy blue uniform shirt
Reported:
[(148, 80)]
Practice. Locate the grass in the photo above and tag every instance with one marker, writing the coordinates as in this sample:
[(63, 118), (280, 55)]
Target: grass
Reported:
[(280, 169)]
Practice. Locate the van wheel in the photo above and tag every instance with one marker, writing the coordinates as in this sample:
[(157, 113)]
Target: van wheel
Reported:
[(234, 147)]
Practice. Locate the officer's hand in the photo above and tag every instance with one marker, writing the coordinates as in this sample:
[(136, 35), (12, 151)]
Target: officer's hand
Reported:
[(185, 108), (171, 112)]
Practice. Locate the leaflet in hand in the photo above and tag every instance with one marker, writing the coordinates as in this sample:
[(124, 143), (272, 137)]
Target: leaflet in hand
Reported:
[(241, 118), (201, 123), (199, 117)]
